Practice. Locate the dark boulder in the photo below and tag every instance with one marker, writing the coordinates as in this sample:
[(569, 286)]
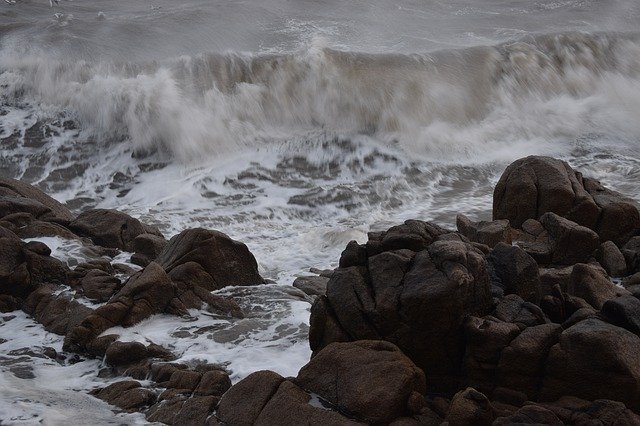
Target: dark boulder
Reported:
[(58, 313), (535, 185), (530, 415), (312, 286), (592, 284), (488, 233), (226, 261), (470, 408), (611, 259), (341, 372), (108, 228), (516, 272), (50, 210), (242, 404), (570, 243), (594, 360), (128, 395), (486, 339), (417, 301), (147, 248), (144, 294), (290, 406), (623, 311), (522, 362), (25, 266)]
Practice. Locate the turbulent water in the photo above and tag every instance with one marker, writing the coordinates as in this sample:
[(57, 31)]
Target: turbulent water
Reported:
[(294, 126)]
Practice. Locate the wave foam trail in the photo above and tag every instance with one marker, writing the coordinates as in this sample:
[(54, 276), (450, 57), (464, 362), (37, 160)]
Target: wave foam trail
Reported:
[(442, 105)]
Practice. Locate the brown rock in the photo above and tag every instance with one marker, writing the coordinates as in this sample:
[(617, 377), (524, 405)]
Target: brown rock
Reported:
[(127, 394), (611, 259), (341, 371), (592, 284), (516, 272), (594, 360), (146, 293), (488, 233), (290, 406), (522, 362), (470, 407), (228, 262), (56, 212), (122, 353), (195, 411), (214, 382), (410, 299), (242, 404), (108, 228), (570, 242)]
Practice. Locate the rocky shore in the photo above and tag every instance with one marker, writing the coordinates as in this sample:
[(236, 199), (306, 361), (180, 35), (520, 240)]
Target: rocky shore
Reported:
[(532, 318)]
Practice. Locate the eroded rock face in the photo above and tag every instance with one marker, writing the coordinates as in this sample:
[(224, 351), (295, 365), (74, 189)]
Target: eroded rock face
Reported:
[(223, 261), (416, 300), (535, 185), (340, 372)]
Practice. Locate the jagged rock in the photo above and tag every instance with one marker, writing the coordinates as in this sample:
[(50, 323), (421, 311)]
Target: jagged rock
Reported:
[(522, 362), (623, 311), (533, 186), (415, 300), (108, 228), (516, 272), (488, 233), (470, 408), (226, 261), (127, 394), (592, 360), (611, 259), (162, 371), (48, 208), (592, 284), (340, 372), (570, 242), (58, 313), (165, 410)]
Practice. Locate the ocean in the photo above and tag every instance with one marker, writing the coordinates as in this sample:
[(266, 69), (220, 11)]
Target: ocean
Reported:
[(294, 126)]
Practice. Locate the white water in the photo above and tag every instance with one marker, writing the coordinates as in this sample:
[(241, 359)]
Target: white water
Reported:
[(294, 128)]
